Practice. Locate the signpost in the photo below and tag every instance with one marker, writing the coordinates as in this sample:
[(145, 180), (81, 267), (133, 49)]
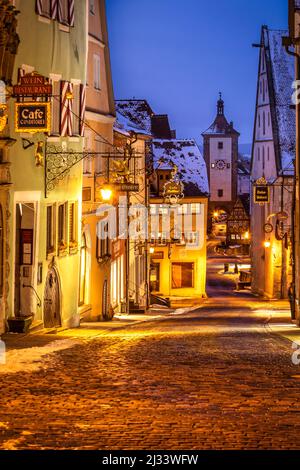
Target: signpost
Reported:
[(32, 117), (127, 187)]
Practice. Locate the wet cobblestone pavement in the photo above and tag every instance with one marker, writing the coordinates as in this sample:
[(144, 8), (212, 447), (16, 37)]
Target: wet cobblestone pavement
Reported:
[(214, 378)]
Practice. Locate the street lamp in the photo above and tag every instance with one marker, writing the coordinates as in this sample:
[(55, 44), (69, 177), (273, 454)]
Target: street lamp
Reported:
[(151, 250), (106, 193), (216, 214), (267, 244)]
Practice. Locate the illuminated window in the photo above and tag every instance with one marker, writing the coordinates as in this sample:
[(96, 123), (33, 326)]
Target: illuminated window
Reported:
[(182, 275)]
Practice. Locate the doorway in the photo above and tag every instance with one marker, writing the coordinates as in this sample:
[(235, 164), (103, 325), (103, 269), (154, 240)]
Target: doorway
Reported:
[(52, 317), (154, 277)]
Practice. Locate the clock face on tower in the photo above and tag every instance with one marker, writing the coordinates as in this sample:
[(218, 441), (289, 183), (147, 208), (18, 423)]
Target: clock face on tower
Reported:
[(220, 164)]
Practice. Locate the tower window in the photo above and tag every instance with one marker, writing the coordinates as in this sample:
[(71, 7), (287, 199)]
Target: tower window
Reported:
[(220, 145), (220, 192)]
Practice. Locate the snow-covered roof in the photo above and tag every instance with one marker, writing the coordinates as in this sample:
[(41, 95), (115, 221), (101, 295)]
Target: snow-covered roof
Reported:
[(124, 126), (282, 66), (186, 155), (136, 111)]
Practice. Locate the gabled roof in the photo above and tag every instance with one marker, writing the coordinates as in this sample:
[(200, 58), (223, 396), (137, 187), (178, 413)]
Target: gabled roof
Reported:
[(187, 156), (280, 67)]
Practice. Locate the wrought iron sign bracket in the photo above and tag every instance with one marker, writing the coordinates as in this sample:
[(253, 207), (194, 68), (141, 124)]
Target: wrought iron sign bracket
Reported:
[(59, 162)]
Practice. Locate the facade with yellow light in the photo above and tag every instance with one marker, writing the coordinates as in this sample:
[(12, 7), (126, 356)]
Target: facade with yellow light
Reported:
[(44, 208), (272, 170), (96, 255), (178, 255)]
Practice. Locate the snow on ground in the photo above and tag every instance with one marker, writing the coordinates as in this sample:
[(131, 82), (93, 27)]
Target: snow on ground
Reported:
[(34, 358)]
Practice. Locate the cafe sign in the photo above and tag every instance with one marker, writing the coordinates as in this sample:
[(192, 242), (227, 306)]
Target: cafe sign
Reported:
[(32, 117)]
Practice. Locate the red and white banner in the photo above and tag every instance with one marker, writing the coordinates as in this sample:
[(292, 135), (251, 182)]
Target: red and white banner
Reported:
[(66, 109), (82, 108)]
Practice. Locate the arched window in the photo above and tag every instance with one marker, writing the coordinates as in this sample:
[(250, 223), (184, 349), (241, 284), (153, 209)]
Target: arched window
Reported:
[(1, 251)]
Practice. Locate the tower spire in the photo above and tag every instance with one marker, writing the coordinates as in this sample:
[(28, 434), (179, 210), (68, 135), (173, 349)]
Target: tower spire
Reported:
[(220, 105)]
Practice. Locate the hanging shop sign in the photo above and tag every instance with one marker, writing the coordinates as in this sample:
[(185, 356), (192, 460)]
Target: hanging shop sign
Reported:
[(261, 194), (268, 228), (32, 117), (32, 84)]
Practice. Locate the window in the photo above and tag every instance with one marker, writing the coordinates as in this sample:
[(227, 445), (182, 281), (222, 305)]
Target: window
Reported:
[(99, 160), (268, 119), (228, 165), (62, 226), (263, 157), (182, 275), (213, 165), (86, 194), (264, 90), (196, 208), (1, 251), (220, 192), (264, 122), (103, 242), (73, 224), (50, 229), (220, 145), (258, 119), (96, 62), (92, 7), (268, 153), (258, 154)]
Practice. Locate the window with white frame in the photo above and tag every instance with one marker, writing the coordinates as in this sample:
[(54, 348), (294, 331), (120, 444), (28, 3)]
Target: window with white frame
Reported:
[(96, 66), (99, 160)]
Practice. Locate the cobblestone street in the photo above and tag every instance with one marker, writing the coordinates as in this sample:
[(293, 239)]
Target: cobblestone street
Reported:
[(214, 378)]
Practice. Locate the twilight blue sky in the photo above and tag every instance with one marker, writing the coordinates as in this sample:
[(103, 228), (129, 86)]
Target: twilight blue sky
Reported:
[(178, 54)]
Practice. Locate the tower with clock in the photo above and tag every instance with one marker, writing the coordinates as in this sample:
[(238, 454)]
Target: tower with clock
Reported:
[(220, 144)]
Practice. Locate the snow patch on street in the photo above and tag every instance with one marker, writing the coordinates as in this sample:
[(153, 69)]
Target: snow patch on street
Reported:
[(34, 358)]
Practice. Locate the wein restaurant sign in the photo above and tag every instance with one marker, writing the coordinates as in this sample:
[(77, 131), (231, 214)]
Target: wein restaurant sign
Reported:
[(32, 117), (32, 84)]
